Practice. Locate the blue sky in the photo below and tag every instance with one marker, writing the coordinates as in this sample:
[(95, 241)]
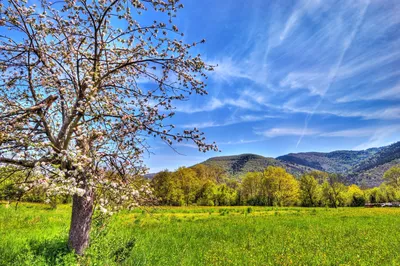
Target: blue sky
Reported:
[(292, 76)]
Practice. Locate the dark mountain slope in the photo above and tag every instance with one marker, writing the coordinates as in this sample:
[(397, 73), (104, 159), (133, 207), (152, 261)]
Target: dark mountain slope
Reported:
[(371, 177), (371, 170), (243, 163), (334, 162), (385, 155)]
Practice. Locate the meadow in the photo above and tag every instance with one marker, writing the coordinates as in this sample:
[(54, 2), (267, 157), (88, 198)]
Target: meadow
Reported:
[(34, 234)]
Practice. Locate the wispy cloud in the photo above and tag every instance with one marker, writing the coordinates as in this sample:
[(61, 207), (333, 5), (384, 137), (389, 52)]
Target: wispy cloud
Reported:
[(381, 137), (390, 93), (315, 82), (203, 125), (242, 141), (188, 145), (333, 73), (231, 121), (350, 133), (215, 103), (371, 113), (347, 133), (247, 99), (227, 69), (302, 8), (279, 132)]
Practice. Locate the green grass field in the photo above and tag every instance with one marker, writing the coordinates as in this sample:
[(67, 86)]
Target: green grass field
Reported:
[(36, 235)]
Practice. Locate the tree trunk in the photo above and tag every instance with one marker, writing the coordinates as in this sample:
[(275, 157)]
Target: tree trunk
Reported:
[(81, 220)]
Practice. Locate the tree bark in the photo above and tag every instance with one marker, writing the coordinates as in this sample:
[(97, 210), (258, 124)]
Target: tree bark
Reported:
[(81, 220)]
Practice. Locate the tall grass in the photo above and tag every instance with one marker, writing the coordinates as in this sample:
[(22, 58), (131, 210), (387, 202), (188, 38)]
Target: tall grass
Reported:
[(36, 235)]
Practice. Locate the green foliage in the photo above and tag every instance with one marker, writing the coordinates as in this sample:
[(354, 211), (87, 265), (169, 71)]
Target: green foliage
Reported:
[(251, 189), (212, 186), (333, 191), (201, 185), (10, 177), (273, 187), (392, 177), (279, 187), (356, 197), (310, 191)]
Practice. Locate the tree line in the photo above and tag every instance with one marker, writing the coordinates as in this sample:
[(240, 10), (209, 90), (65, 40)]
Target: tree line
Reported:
[(212, 186)]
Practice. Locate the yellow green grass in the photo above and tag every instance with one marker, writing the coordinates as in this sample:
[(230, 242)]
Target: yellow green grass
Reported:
[(36, 235)]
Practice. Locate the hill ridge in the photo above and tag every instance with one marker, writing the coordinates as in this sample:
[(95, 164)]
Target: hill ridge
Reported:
[(364, 167)]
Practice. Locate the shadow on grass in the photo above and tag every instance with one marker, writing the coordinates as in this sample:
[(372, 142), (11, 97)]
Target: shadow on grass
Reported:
[(122, 253), (55, 251), (51, 250)]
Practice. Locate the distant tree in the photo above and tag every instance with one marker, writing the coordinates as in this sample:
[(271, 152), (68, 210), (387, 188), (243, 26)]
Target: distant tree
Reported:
[(388, 193), (356, 197), (206, 195), (251, 188), (188, 182), (161, 185), (392, 177), (279, 187), (225, 196), (320, 176), (167, 187), (10, 190), (9, 179), (374, 195), (210, 172), (73, 105), (309, 190), (333, 191)]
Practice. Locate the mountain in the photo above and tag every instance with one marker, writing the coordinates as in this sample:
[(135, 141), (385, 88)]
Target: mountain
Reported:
[(332, 162), (243, 163), (371, 170), (365, 167)]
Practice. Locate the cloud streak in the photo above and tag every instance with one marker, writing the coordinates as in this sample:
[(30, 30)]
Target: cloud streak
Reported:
[(284, 131), (332, 75)]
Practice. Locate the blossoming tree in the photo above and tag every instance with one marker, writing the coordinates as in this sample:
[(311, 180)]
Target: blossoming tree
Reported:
[(83, 85)]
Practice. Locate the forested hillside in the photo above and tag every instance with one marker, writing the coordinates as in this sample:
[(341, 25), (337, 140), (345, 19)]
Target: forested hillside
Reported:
[(238, 165), (335, 162), (364, 167)]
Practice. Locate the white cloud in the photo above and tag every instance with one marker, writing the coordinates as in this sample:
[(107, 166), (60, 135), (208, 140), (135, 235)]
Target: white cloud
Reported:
[(242, 141), (278, 132), (299, 11), (390, 113), (362, 132), (188, 145), (252, 118), (212, 105), (226, 69), (381, 137), (315, 82), (231, 121), (390, 93), (202, 125), (377, 136), (215, 103)]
